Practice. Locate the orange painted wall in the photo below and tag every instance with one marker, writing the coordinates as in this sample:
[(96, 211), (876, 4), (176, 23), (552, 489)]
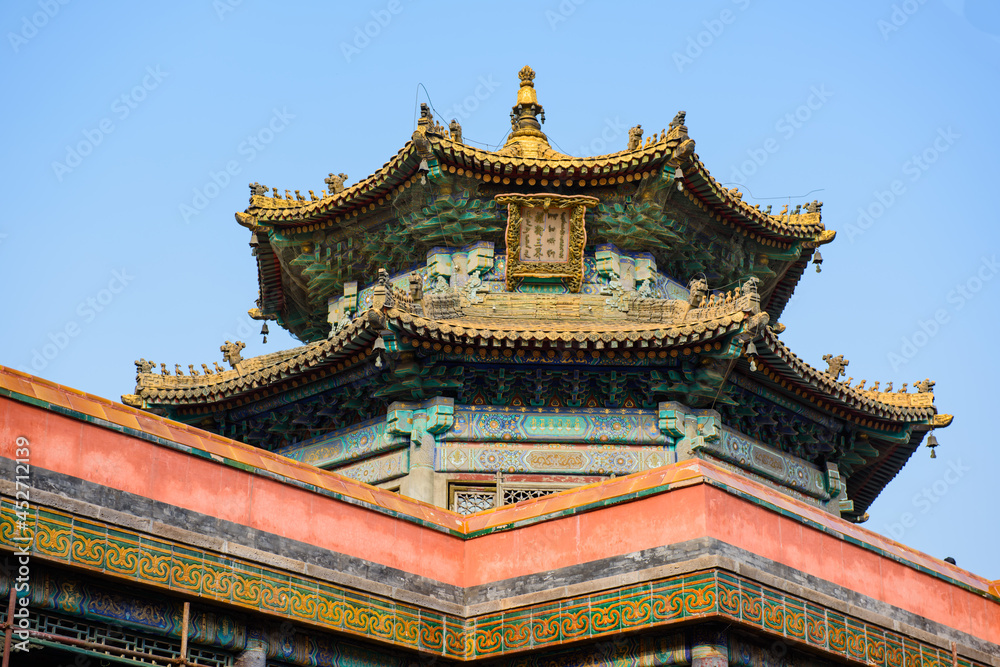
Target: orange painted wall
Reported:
[(695, 509), (666, 518), (76, 448), (787, 541)]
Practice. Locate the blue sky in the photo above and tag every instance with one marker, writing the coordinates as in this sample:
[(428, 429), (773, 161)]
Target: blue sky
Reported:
[(133, 130)]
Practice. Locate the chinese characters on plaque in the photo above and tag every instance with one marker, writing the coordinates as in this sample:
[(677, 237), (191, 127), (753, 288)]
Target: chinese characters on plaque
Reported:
[(545, 238), (545, 234)]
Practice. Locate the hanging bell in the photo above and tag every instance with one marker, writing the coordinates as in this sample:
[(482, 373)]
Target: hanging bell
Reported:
[(679, 179), (751, 353), (264, 332), (818, 261), (931, 444)]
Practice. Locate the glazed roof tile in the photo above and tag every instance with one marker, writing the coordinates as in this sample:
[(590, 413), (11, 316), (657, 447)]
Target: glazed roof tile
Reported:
[(729, 202), (905, 407), (355, 343), (471, 328), (358, 337), (722, 202)]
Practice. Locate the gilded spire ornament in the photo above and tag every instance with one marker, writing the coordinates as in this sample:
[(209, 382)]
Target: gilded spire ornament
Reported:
[(526, 117)]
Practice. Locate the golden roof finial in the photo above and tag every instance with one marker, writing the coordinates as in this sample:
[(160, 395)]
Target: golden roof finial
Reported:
[(526, 138), (526, 92)]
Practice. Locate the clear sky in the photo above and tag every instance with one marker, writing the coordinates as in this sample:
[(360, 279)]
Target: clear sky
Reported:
[(132, 130)]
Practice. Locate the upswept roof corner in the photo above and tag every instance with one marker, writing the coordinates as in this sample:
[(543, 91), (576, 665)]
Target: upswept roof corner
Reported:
[(895, 423), (786, 369)]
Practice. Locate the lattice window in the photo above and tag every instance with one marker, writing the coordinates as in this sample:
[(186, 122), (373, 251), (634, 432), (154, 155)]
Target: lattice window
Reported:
[(471, 499), (516, 495), (118, 637)]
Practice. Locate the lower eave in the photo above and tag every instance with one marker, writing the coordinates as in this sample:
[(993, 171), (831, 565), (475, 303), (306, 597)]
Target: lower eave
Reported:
[(261, 376)]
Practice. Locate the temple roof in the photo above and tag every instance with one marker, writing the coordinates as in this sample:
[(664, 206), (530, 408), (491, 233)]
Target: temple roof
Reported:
[(354, 344), (506, 328), (496, 167), (307, 249), (525, 322), (653, 203)]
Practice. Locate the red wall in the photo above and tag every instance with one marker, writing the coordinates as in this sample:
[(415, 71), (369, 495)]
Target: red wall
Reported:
[(692, 508)]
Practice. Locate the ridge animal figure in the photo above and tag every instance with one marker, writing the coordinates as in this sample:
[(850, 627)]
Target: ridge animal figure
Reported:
[(836, 364), (231, 352)]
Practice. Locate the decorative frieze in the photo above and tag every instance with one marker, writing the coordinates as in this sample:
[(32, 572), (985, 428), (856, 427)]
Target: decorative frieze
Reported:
[(548, 459), (583, 426), (168, 566)]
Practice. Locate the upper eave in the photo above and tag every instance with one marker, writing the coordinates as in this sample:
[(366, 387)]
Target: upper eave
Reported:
[(675, 150), (281, 213), (729, 207)]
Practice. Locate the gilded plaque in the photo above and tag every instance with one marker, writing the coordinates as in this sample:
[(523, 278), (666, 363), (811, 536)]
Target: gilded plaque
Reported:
[(545, 237)]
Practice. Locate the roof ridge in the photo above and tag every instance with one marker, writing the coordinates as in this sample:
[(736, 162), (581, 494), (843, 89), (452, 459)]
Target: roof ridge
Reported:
[(914, 404)]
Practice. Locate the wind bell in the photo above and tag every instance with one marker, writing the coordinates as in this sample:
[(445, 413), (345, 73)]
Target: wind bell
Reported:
[(752, 355), (931, 444)]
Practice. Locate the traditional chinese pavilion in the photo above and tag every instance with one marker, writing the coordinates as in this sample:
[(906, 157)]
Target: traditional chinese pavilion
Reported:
[(541, 415)]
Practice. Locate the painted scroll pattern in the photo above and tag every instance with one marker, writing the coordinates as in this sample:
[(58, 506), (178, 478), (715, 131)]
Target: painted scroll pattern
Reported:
[(587, 426), (712, 594), (543, 459), (364, 440)]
